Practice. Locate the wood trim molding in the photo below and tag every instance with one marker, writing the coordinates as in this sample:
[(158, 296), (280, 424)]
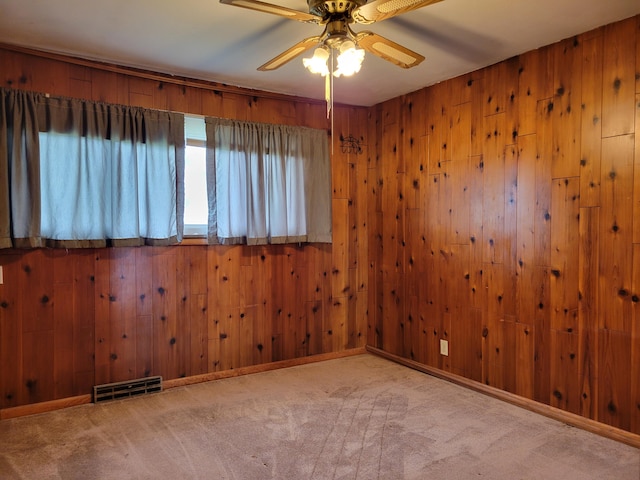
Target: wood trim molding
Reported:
[(540, 408), (43, 407), (548, 411), (265, 367)]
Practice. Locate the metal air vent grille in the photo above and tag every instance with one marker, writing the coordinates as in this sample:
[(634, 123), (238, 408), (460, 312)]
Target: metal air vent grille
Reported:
[(131, 388)]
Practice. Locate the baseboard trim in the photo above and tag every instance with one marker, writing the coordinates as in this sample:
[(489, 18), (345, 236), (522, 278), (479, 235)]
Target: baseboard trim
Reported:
[(264, 367), (43, 407), (548, 411), (49, 406)]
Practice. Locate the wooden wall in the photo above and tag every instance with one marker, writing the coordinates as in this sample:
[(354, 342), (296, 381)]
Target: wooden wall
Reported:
[(498, 210), (71, 319), (506, 219)]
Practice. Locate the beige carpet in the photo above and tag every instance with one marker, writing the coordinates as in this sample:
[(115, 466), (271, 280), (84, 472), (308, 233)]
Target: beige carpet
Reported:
[(359, 417)]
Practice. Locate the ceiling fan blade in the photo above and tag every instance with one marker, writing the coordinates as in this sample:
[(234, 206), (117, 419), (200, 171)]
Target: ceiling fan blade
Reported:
[(388, 50), (378, 10), (274, 9), (290, 53)]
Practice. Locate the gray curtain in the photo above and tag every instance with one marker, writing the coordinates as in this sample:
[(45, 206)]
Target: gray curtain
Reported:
[(86, 174), (267, 183), (19, 171)]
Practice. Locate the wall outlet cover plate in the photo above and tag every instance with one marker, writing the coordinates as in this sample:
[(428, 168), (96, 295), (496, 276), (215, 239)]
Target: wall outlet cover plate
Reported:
[(444, 347)]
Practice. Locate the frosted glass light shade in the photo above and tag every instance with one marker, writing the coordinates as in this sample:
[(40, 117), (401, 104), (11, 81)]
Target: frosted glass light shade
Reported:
[(349, 60), (318, 62)]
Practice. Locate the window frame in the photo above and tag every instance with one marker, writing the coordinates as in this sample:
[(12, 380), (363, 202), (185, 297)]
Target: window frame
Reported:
[(195, 231)]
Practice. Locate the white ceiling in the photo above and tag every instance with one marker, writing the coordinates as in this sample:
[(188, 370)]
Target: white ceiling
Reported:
[(207, 40)]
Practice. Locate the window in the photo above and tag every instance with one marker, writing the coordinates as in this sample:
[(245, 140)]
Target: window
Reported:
[(87, 174), (196, 205), (266, 183)]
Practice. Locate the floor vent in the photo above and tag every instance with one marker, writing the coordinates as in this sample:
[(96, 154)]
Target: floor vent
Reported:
[(131, 388)]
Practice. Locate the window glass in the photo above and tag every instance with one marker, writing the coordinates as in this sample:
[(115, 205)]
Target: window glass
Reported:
[(196, 208)]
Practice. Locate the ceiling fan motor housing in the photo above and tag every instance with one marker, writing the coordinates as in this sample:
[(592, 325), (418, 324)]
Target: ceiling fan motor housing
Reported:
[(337, 32), (328, 8)]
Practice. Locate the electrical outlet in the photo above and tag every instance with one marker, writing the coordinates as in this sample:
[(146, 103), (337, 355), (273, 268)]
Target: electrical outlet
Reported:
[(444, 348)]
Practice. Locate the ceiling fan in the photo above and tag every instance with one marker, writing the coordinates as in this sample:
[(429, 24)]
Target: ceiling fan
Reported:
[(337, 16)]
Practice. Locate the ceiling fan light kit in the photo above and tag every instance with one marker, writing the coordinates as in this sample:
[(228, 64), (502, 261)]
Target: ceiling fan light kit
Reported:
[(318, 62), (349, 60), (337, 16)]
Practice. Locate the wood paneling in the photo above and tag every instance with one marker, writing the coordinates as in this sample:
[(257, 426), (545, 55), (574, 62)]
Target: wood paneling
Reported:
[(493, 162), (70, 319), (618, 83), (525, 228), (588, 259), (566, 112), (526, 254), (616, 224), (591, 133), (635, 342), (535, 82), (565, 227), (636, 177), (543, 181)]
